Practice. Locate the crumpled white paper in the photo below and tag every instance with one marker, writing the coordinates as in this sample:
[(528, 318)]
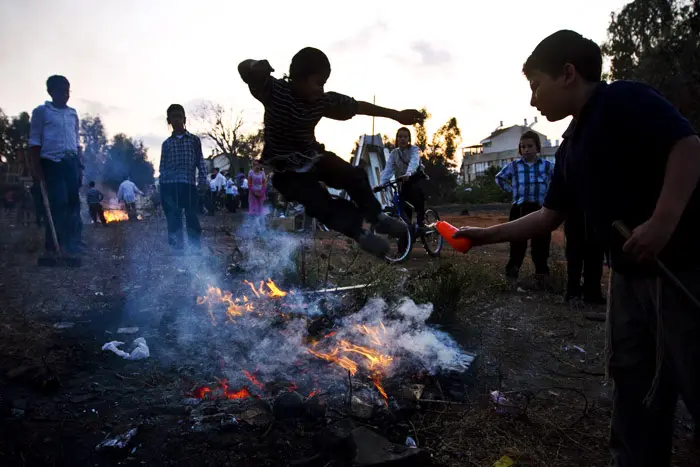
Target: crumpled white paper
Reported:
[(139, 353)]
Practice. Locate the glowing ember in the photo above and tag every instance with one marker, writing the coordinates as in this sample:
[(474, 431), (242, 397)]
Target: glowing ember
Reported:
[(253, 379), (221, 391), (116, 215)]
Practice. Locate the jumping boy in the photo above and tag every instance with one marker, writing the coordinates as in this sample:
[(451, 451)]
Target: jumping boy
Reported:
[(527, 179), (630, 156), (293, 108), (53, 148), (181, 164), (94, 200)]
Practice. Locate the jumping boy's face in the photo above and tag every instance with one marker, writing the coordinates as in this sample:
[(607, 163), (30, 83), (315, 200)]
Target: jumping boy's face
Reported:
[(403, 139), (177, 120), (311, 88), (528, 148), (60, 94), (551, 96)]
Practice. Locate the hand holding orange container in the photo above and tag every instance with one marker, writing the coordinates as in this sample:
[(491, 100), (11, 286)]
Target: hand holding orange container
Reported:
[(447, 230)]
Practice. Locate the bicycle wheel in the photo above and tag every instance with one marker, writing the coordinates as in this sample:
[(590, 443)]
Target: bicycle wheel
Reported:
[(432, 240), (399, 248)]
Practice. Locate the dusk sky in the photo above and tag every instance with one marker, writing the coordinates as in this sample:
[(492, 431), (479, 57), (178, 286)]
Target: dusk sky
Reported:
[(128, 60)]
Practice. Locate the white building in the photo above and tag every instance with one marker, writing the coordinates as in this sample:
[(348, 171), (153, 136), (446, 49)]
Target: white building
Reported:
[(499, 149), (371, 155)]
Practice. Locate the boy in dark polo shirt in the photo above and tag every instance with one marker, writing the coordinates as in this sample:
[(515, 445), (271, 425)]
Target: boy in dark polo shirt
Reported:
[(629, 156)]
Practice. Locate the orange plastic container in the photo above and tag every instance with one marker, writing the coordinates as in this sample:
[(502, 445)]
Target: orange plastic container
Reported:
[(447, 230)]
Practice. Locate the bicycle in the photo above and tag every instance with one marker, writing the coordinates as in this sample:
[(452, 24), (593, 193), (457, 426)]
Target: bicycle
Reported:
[(432, 241)]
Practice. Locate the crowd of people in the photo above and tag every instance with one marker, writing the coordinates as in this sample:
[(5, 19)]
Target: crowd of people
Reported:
[(628, 156)]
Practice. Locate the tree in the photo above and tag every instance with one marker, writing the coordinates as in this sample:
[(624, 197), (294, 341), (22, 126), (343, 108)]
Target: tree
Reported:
[(484, 189), (223, 129), (4, 144), (439, 161), (250, 147), (94, 142), (16, 140), (127, 158), (421, 132), (388, 143), (658, 42)]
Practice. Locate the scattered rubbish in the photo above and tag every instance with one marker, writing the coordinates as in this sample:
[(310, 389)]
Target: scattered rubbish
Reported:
[(574, 347), (64, 325), (520, 290), (132, 330), (498, 398), (504, 461), (118, 442), (99, 294), (410, 442), (140, 349)]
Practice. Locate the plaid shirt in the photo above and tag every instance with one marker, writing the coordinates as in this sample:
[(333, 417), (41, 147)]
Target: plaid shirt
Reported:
[(180, 157), (527, 182)]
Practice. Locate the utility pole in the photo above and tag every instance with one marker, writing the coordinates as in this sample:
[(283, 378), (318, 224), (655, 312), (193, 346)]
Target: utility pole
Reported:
[(374, 102)]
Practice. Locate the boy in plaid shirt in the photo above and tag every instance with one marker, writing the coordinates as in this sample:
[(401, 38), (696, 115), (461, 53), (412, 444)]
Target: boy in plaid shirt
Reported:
[(181, 158), (527, 179)]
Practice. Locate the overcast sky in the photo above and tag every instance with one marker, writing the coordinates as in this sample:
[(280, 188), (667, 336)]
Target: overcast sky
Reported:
[(128, 60)]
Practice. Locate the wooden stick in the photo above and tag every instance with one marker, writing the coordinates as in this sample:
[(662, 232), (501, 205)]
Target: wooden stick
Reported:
[(49, 217), (626, 234)]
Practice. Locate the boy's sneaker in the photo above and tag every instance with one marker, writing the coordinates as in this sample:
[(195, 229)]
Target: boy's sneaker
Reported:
[(372, 244), (388, 225)]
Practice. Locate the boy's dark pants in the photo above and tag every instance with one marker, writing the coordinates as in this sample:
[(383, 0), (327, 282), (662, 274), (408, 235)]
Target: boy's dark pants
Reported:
[(340, 215), (583, 255), (641, 436), (131, 211), (62, 188), (539, 246), (175, 197), (96, 212), (231, 203)]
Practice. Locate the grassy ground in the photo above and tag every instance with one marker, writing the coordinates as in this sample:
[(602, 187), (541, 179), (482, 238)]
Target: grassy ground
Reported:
[(542, 354)]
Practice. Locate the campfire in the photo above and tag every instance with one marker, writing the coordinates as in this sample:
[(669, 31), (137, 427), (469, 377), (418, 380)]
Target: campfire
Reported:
[(362, 350), (115, 215)]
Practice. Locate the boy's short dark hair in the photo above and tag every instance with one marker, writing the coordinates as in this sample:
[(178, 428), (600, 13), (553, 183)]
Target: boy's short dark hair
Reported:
[(308, 61), (175, 108), (564, 47), (56, 81), (534, 137), (91, 184)]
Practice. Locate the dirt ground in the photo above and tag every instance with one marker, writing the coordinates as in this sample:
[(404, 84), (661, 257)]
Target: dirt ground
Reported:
[(61, 395)]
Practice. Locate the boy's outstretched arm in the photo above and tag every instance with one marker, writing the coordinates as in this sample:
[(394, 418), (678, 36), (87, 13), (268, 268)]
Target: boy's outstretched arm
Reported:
[(533, 225), (405, 117)]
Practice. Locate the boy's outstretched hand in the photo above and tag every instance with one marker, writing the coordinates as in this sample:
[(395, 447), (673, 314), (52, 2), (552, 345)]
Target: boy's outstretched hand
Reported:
[(410, 117), (261, 67), (478, 236)]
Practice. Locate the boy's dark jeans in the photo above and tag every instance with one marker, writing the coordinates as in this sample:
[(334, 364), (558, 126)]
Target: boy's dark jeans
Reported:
[(176, 197), (340, 215), (412, 192), (539, 246), (97, 212), (641, 436), (584, 256), (62, 188)]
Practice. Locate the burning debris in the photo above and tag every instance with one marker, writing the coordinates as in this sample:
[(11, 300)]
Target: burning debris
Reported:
[(115, 215), (281, 348)]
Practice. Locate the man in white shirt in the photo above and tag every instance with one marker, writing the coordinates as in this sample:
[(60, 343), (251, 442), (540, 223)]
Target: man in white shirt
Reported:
[(231, 195), (127, 192), (54, 152)]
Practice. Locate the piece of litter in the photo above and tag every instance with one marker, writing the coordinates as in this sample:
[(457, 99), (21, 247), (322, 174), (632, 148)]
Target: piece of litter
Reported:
[(498, 398), (99, 293), (410, 442), (574, 347), (520, 289), (132, 330), (64, 325), (118, 442), (140, 349)]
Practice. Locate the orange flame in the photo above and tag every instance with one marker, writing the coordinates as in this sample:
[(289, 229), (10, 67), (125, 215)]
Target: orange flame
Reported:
[(115, 215)]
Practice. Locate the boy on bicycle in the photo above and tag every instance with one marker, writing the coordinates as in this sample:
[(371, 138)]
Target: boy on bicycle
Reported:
[(293, 107), (404, 164)]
